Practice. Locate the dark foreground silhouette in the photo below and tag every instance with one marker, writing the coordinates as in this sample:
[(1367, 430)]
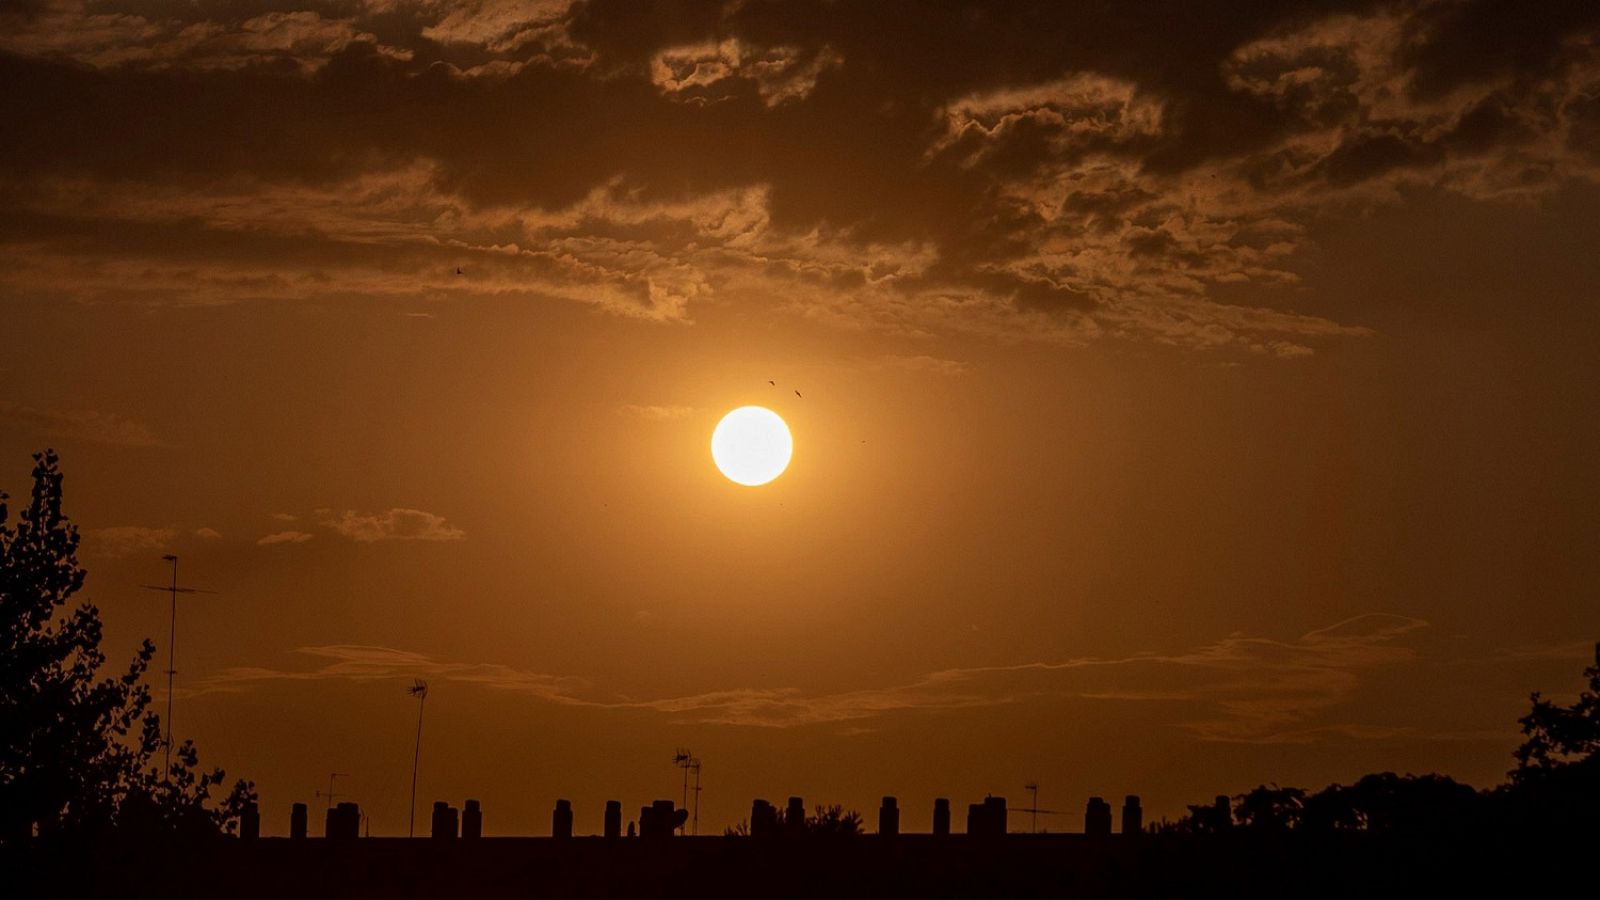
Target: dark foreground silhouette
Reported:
[(1241, 864)]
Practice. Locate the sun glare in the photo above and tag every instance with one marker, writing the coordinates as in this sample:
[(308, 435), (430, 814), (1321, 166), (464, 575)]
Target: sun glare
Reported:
[(751, 445)]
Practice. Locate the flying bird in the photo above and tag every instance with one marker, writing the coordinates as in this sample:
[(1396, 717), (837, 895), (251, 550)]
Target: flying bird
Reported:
[(771, 382), (797, 394), (459, 272)]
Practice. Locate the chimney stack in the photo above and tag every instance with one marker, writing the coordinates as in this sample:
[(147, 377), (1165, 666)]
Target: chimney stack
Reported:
[(343, 822), (250, 823), (1097, 818), (987, 819), (794, 817), (660, 819), (1132, 815), (763, 819), (445, 820)]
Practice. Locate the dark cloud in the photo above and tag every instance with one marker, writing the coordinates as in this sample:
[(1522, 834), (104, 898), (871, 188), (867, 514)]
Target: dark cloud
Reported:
[(1456, 43), (904, 165)]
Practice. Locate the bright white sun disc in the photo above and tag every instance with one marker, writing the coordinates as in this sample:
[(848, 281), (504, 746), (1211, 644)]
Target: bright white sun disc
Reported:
[(751, 445)]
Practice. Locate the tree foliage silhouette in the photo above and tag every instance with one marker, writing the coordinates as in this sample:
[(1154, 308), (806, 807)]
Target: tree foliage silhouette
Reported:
[(76, 747), (1561, 736), (1557, 780), (1386, 802), (1270, 808), (832, 820)]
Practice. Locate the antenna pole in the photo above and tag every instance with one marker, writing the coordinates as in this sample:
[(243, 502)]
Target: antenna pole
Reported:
[(420, 691), (685, 759), (696, 797), (172, 666), (331, 794), (172, 590)]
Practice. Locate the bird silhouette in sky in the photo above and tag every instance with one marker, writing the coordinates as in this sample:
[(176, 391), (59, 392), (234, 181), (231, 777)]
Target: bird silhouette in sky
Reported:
[(797, 394), (771, 382), (459, 272)]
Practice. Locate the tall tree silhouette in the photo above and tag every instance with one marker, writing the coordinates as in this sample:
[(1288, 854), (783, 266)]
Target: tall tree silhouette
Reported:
[(76, 747)]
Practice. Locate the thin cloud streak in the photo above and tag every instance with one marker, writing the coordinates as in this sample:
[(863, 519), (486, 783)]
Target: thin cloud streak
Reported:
[(396, 524), (82, 424), (658, 413), (125, 540), (1253, 689), (284, 537)]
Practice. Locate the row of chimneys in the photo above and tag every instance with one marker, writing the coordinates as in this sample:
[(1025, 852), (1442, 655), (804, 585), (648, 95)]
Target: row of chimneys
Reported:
[(661, 818), (989, 817)]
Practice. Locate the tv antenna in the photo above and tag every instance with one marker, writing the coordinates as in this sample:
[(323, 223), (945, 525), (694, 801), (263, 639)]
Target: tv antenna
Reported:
[(173, 590), (1033, 809), (330, 792), (688, 762), (419, 690)]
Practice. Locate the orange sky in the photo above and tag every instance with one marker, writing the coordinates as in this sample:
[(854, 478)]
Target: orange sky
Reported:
[(1190, 400)]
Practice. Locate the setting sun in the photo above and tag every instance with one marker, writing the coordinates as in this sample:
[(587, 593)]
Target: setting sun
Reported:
[(751, 445)]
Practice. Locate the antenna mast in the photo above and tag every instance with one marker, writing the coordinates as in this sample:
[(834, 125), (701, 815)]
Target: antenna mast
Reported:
[(696, 796), (173, 590), (685, 759), (330, 793), (419, 690)]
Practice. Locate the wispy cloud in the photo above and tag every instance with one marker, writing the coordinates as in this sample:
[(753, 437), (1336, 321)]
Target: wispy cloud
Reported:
[(357, 662), (658, 413), (126, 540), (82, 424), (1564, 651), (284, 537), (922, 363), (397, 524), (1237, 689)]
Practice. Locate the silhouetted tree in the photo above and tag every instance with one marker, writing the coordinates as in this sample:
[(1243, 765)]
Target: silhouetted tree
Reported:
[(833, 820), (827, 820), (76, 748), (1384, 802), (1554, 789), (1388, 802), (1269, 808), (1210, 819), (1561, 736)]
